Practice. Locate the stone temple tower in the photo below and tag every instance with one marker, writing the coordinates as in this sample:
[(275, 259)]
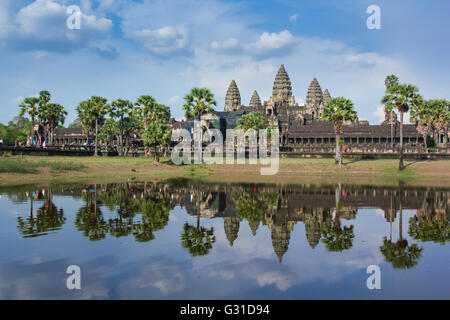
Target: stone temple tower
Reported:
[(282, 89), (255, 101), (314, 100), (233, 98), (281, 93)]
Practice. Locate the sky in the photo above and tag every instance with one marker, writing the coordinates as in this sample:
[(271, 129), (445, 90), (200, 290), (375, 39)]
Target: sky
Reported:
[(127, 48)]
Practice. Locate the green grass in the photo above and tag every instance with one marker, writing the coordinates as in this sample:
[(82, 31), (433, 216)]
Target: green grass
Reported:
[(12, 165)]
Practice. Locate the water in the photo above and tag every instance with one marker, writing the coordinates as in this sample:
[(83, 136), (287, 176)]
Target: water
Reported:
[(184, 239)]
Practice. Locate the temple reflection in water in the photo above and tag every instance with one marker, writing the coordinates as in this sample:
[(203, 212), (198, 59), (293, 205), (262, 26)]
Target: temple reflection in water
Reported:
[(141, 209)]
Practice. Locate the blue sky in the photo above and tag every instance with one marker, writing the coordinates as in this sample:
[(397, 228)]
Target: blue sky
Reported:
[(126, 48)]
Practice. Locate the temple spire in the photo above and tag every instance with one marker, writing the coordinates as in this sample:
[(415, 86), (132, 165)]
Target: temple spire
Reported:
[(282, 89), (255, 101), (233, 97), (326, 96), (314, 97)]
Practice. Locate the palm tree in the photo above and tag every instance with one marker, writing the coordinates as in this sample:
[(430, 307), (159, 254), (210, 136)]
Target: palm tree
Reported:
[(401, 96), (152, 112), (29, 105), (199, 101), (147, 106), (99, 109), (85, 116), (338, 110), (120, 109), (422, 115), (53, 115), (442, 116), (44, 99)]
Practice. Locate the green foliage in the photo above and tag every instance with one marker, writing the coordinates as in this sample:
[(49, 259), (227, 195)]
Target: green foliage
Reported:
[(76, 124), (157, 134), (253, 120), (338, 239), (11, 135), (436, 230), (338, 110), (109, 130), (400, 96), (198, 102), (152, 111)]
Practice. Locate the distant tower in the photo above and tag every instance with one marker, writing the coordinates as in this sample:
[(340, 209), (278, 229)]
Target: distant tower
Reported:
[(314, 100), (233, 98), (255, 101), (282, 89), (326, 96)]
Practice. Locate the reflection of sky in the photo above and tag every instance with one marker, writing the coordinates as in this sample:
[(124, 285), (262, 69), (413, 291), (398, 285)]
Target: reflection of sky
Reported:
[(121, 268)]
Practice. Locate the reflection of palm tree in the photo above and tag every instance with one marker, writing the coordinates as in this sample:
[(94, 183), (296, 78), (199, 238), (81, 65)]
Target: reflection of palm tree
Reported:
[(335, 237), (199, 240), (399, 254), (90, 220), (155, 216), (48, 218)]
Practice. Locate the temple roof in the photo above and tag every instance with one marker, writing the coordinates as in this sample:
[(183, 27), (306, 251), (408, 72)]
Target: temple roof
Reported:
[(233, 97), (314, 96), (282, 88), (326, 130)]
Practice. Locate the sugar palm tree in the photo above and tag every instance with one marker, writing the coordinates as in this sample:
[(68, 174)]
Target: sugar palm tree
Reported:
[(53, 114), (152, 112), (30, 106), (198, 102), (120, 109), (44, 99), (403, 97), (442, 116), (99, 109), (423, 115), (86, 117), (337, 110)]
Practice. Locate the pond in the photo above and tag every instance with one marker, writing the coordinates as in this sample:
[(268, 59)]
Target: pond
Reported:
[(184, 239)]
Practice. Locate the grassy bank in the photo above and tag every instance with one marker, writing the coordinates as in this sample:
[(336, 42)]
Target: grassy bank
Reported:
[(48, 170)]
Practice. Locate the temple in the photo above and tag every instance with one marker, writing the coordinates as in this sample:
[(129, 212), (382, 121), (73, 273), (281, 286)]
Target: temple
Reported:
[(301, 125), (302, 130)]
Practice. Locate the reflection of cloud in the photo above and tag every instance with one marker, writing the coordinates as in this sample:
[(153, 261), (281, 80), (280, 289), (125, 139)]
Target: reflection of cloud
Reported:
[(164, 275), (47, 280)]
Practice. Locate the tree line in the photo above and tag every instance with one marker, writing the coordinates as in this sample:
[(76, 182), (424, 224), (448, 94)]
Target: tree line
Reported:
[(122, 119)]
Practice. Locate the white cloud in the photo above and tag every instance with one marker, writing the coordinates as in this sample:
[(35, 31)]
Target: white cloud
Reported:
[(41, 26), (163, 41), (228, 44), (272, 43), (379, 114), (174, 99), (293, 17)]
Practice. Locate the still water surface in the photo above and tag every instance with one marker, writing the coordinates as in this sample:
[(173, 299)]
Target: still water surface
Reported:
[(183, 239)]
